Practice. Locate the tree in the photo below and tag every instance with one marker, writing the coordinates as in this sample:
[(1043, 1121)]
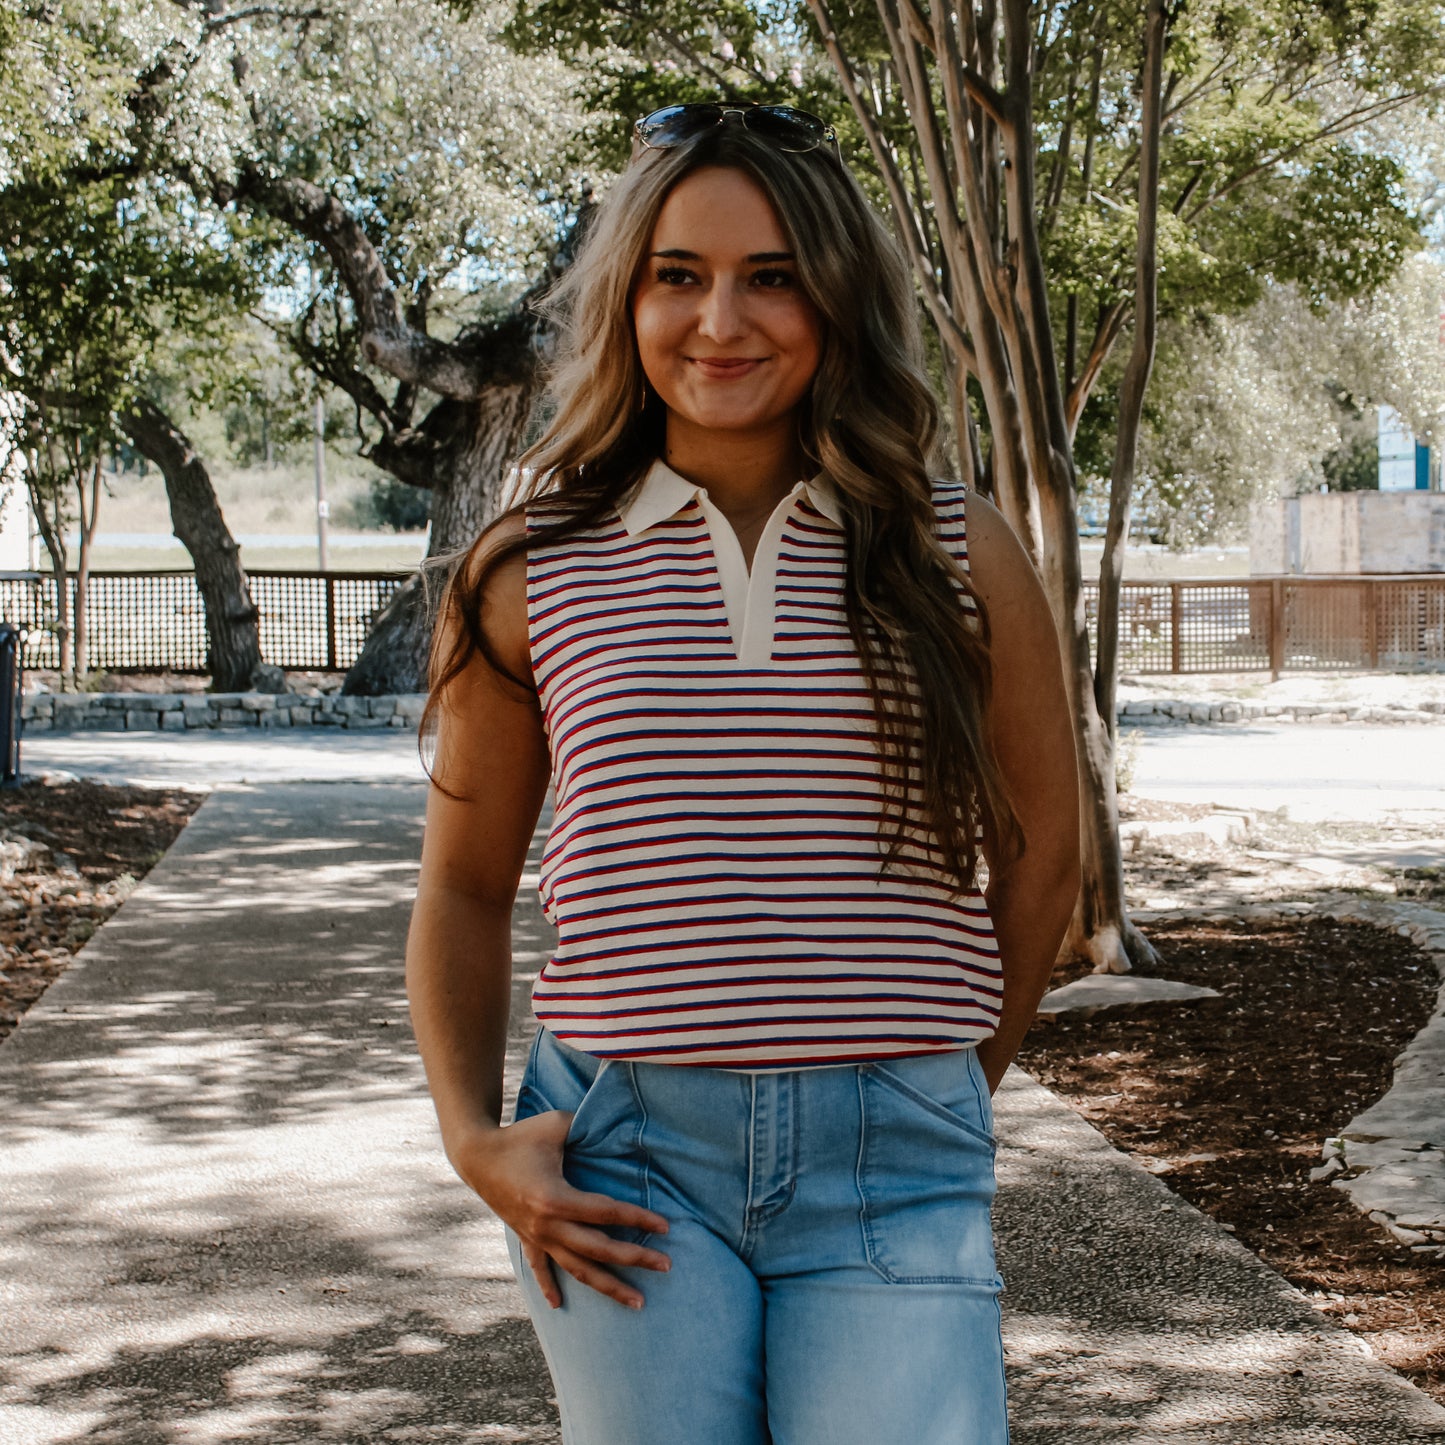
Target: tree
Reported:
[(97, 275), (60, 463), (1245, 407), (408, 161), (100, 260), (413, 161), (1067, 158)]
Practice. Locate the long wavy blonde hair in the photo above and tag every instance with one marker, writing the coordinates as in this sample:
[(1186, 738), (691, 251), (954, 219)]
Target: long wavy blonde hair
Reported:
[(868, 425)]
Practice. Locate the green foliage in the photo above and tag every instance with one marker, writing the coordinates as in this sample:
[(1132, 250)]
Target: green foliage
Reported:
[(63, 83), (1353, 466), (93, 275), (637, 59), (1269, 170), (392, 505)]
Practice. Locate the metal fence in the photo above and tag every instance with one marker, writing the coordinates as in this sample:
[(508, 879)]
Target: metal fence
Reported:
[(1280, 624), (156, 621)]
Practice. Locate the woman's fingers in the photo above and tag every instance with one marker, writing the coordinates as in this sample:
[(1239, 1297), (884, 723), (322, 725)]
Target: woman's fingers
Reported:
[(594, 1276), (545, 1276), (603, 1209), (594, 1244), (518, 1171)]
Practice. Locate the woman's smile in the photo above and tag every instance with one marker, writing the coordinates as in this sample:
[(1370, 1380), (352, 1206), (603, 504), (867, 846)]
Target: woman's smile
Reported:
[(727, 368)]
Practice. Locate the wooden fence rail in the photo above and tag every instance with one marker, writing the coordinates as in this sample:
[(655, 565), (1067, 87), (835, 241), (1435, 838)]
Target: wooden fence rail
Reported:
[(1281, 624), (154, 621)]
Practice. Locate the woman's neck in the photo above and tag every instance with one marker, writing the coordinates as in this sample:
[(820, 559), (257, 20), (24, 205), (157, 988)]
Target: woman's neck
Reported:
[(743, 473)]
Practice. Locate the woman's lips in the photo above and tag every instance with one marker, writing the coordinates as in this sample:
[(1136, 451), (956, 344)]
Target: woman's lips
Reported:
[(726, 368)]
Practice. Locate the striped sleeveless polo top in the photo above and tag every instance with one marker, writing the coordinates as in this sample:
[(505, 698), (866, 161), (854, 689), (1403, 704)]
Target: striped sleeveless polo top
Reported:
[(712, 865)]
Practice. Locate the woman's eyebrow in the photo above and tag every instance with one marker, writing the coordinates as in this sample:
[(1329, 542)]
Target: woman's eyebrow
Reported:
[(758, 258)]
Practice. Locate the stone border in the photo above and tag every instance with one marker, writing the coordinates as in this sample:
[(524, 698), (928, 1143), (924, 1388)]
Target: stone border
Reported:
[(177, 712), (1164, 711), (167, 712), (1390, 1159)]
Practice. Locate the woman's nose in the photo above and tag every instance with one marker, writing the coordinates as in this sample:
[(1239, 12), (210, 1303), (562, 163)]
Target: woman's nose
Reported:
[(721, 318)]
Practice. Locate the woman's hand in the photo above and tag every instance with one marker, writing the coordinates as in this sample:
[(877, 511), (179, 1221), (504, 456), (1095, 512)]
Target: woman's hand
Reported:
[(517, 1170)]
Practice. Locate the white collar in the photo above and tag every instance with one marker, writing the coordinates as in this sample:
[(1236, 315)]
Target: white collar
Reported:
[(663, 493)]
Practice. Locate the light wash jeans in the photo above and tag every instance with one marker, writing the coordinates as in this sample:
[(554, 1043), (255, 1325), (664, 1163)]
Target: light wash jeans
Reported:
[(833, 1278)]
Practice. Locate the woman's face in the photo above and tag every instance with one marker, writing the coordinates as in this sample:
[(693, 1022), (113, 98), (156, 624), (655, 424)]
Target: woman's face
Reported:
[(725, 333)]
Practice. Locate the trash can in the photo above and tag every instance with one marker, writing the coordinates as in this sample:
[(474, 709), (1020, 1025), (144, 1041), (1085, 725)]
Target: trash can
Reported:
[(10, 639)]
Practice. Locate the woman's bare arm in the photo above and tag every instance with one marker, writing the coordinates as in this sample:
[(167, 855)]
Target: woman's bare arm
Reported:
[(1030, 898), (492, 751)]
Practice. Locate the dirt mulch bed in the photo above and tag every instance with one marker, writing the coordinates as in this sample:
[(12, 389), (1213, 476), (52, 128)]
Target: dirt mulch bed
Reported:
[(1230, 1100), (70, 854)]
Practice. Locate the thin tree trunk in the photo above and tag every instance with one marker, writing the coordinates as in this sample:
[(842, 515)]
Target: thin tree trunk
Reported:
[(89, 510), (1101, 926), (1100, 930), (233, 635), (53, 536), (1136, 374)]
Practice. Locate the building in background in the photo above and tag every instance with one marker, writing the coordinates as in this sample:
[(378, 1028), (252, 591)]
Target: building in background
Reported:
[(1406, 465), (1399, 529)]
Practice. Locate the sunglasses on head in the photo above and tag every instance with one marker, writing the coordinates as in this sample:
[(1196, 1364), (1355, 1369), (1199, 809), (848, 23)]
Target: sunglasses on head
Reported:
[(783, 126)]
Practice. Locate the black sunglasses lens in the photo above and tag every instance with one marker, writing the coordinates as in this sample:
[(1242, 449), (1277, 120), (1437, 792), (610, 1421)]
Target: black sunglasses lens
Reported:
[(785, 127), (674, 123)]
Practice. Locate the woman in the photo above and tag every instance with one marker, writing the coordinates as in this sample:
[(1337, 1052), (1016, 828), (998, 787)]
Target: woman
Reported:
[(788, 690)]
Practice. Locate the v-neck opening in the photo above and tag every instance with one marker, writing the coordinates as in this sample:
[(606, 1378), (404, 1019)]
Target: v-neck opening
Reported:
[(749, 594)]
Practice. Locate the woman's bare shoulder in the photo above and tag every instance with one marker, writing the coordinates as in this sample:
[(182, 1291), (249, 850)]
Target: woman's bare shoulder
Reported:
[(1000, 567), (504, 595)]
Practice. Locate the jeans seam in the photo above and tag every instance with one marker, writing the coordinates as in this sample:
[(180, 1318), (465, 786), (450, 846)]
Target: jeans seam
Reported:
[(639, 1142)]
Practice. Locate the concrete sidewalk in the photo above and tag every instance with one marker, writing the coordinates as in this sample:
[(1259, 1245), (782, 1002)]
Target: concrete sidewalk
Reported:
[(225, 1216)]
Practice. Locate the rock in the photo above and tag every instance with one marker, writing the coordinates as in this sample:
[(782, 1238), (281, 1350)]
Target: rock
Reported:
[(267, 677), (19, 854), (1113, 990)]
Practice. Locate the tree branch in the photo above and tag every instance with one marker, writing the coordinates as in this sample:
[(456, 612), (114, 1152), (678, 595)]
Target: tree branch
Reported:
[(1106, 333), (1351, 121), (386, 339), (989, 100)]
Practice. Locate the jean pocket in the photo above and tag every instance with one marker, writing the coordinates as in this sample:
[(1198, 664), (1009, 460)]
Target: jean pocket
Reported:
[(604, 1151), (926, 1176), (951, 1085), (530, 1096), (595, 1114)]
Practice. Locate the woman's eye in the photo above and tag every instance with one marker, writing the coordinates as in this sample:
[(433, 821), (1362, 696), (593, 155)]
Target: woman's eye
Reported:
[(774, 280), (674, 275)]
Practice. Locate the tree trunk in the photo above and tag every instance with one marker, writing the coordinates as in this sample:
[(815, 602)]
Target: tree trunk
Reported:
[(88, 512), (1136, 374), (52, 534), (478, 443), (233, 635), (1101, 927)]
